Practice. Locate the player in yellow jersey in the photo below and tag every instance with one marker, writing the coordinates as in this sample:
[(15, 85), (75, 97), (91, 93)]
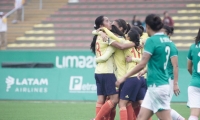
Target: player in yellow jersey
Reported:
[(133, 90), (118, 28), (104, 72)]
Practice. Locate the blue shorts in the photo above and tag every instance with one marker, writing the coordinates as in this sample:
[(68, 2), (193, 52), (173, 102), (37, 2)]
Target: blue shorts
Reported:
[(106, 84), (133, 89)]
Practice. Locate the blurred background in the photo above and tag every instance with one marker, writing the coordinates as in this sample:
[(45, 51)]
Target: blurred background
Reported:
[(45, 56)]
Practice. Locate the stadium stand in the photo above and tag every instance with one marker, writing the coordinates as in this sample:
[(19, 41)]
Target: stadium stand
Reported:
[(70, 27)]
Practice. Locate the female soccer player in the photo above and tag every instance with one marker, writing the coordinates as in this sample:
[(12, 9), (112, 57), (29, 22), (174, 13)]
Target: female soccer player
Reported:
[(170, 67), (156, 54), (133, 90), (118, 27), (105, 78), (194, 87)]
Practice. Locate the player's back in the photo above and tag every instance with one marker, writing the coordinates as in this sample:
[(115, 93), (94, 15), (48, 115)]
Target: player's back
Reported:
[(133, 53), (101, 47), (194, 56), (158, 46), (120, 61)]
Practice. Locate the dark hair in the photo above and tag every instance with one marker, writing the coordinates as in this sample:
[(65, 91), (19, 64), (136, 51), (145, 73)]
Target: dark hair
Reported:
[(122, 23), (134, 37), (141, 27), (154, 22), (99, 21), (136, 28), (172, 30), (128, 28), (197, 38), (117, 31), (168, 29)]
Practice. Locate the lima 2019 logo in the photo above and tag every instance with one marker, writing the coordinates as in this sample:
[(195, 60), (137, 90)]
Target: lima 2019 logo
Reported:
[(77, 85), (27, 85)]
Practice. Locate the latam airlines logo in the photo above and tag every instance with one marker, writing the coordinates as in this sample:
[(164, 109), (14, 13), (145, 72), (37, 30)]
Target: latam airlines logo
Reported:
[(29, 85), (77, 85)]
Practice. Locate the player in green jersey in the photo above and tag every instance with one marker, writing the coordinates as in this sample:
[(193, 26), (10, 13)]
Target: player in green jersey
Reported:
[(194, 87)]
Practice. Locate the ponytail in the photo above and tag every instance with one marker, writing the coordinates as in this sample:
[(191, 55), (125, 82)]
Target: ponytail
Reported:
[(99, 21), (128, 28)]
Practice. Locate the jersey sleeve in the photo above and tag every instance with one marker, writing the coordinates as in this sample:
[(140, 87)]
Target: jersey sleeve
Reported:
[(111, 35), (149, 46), (94, 32), (174, 51), (109, 51), (190, 53)]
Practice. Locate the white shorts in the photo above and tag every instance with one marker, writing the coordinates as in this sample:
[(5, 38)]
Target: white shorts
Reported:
[(171, 85), (157, 98), (193, 97)]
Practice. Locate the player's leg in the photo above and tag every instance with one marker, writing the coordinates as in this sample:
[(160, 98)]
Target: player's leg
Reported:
[(100, 93), (164, 115), (193, 102), (123, 109), (144, 114), (146, 110), (174, 114), (194, 113), (129, 92), (161, 100), (108, 83)]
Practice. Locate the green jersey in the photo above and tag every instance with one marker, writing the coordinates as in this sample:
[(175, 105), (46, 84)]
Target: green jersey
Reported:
[(158, 46), (194, 56), (173, 53)]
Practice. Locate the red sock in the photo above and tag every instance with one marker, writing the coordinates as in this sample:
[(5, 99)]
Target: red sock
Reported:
[(105, 109), (112, 114), (136, 111), (123, 113), (98, 107), (130, 112)]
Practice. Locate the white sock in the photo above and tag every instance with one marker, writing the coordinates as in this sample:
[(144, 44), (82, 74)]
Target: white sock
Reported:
[(193, 118), (176, 116)]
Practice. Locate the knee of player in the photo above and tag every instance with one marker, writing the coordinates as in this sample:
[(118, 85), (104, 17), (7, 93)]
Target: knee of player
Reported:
[(114, 100)]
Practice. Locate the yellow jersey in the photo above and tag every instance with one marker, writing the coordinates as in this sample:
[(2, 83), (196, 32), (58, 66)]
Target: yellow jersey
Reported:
[(134, 54), (101, 48), (143, 39), (119, 60)]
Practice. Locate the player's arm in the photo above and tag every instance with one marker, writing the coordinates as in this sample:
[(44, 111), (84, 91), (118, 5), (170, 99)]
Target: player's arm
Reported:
[(189, 66), (101, 33), (174, 61), (109, 51), (110, 34), (145, 58), (149, 50), (133, 59), (122, 46), (189, 62)]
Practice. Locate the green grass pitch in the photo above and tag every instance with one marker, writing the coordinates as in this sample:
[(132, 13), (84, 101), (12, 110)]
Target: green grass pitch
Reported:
[(47, 110)]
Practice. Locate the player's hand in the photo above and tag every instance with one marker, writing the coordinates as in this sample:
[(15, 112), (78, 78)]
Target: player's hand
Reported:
[(176, 89), (141, 73), (128, 59), (104, 36), (117, 84), (140, 46)]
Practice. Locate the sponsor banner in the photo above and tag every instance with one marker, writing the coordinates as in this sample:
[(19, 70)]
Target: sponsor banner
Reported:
[(72, 77), (47, 84)]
